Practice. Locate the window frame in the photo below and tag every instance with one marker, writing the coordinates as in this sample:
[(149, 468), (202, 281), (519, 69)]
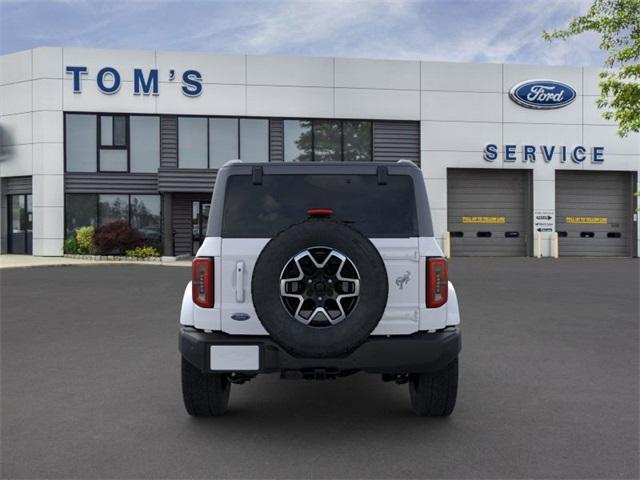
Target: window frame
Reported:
[(113, 147), (120, 194), (341, 121), (98, 116), (239, 135)]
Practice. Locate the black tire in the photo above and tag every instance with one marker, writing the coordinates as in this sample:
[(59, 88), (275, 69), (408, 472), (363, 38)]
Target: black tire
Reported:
[(204, 394), (312, 341), (434, 394)]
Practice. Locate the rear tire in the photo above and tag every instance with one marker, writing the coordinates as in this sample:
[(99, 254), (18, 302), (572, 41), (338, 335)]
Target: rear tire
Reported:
[(434, 394), (204, 394)]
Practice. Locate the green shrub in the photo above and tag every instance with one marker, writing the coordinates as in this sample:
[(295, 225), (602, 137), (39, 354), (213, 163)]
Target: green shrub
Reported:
[(142, 252), (86, 244), (70, 245)]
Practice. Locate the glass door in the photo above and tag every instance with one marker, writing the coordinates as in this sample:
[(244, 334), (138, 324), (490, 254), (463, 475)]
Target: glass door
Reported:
[(20, 224), (199, 220)]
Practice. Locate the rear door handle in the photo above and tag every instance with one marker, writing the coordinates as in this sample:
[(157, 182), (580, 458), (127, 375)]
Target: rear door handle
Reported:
[(240, 281)]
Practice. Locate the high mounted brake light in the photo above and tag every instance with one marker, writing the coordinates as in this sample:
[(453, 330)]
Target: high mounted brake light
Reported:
[(437, 282), (320, 212), (202, 282)]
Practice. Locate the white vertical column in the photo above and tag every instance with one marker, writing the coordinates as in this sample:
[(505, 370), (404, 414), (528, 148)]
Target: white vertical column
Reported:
[(48, 153), (544, 199)]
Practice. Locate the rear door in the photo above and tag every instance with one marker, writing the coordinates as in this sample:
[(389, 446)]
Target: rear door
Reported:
[(385, 213)]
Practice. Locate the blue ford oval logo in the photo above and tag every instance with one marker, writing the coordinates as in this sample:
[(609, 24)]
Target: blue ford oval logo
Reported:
[(542, 94), (240, 317)]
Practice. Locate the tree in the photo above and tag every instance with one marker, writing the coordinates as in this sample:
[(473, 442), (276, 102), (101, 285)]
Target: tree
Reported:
[(618, 23)]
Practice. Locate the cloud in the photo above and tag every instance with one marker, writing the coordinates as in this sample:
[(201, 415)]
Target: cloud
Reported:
[(456, 30)]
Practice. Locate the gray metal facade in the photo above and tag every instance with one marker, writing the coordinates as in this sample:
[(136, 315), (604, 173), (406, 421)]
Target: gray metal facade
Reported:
[(594, 213), (489, 212), (18, 185)]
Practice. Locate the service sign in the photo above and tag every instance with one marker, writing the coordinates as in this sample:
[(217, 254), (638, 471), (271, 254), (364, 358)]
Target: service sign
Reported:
[(542, 94)]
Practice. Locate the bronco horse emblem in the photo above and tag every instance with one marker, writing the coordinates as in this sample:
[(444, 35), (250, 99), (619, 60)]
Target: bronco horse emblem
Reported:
[(402, 280)]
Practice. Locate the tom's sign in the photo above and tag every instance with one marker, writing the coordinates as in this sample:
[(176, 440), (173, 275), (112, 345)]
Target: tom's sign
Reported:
[(108, 80), (542, 94)]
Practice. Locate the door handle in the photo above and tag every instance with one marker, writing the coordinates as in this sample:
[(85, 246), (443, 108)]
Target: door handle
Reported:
[(240, 281)]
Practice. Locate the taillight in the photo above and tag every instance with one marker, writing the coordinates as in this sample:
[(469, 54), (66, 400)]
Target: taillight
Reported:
[(202, 282), (437, 282)]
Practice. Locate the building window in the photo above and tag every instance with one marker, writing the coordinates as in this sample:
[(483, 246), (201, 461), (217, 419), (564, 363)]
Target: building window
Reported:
[(142, 212), (328, 140), (145, 143), (297, 141), (112, 208), (357, 141), (80, 211), (80, 142), (113, 143), (211, 142), (254, 140), (145, 217), (192, 142), (223, 141)]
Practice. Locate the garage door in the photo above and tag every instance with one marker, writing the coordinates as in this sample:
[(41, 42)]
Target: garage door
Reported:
[(593, 213), (488, 212)]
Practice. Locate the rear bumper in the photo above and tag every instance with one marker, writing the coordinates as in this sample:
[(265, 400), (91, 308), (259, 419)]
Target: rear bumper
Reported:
[(420, 352)]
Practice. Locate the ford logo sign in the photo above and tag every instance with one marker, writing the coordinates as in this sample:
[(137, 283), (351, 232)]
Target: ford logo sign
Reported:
[(542, 94), (240, 317)]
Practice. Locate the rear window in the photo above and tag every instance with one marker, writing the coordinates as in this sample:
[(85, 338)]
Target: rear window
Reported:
[(261, 211)]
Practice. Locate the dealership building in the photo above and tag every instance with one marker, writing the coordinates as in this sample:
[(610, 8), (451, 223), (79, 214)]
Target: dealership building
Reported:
[(517, 159)]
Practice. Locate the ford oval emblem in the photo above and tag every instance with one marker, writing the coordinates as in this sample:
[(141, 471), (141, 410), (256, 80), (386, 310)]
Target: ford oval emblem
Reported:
[(240, 317), (542, 94)]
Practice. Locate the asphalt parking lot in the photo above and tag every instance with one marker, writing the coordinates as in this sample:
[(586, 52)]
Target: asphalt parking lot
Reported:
[(549, 385)]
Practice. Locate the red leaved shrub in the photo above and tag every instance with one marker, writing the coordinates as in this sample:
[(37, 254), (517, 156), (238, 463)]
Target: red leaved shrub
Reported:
[(116, 238)]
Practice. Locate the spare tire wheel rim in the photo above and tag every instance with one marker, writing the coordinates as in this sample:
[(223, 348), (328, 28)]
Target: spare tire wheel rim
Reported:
[(319, 286)]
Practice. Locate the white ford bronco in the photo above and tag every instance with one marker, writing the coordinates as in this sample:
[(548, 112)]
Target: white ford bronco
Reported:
[(319, 270)]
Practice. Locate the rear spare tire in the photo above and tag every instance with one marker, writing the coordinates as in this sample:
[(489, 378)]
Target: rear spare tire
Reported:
[(319, 288)]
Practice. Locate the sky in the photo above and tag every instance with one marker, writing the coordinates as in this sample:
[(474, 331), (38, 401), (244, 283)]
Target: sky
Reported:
[(486, 31)]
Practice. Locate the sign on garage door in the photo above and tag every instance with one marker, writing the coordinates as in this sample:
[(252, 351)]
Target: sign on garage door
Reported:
[(593, 213), (488, 212)]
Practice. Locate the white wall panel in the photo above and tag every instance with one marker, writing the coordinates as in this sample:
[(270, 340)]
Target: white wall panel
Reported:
[(93, 100), (290, 71), (437, 192), (542, 134), (289, 101), (461, 106), (571, 114), (214, 100), (47, 94), (614, 144), (459, 136), (47, 62), (461, 77), (124, 61), (16, 161), (214, 68), (48, 190), (48, 159), (592, 114), (15, 67), (591, 78), (377, 104), (48, 247), (47, 222), (391, 74), (48, 126), (15, 98), (15, 129)]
